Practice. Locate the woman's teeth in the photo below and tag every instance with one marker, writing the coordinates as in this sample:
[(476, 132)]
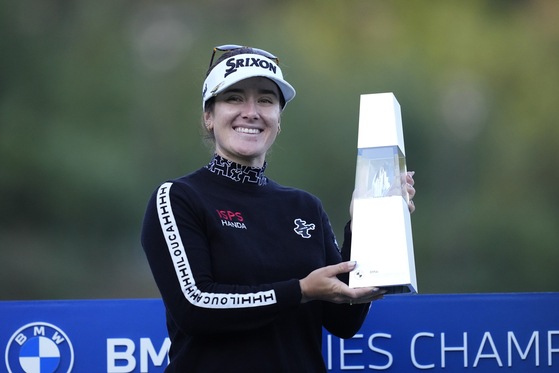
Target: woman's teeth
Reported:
[(247, 130)]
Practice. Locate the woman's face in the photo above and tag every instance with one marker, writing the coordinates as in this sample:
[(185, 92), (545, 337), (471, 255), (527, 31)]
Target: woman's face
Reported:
[(245, 120)]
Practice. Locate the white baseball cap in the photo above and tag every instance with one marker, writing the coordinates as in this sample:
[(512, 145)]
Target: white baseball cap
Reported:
[(243, 66)]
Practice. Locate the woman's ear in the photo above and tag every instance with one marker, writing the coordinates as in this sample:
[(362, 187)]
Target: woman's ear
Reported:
[(208, 120)]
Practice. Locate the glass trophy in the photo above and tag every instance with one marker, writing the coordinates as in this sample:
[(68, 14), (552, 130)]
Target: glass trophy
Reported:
[(381, 172), (382, 242)]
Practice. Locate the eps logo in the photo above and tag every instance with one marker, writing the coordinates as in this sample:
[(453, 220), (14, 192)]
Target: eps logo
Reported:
[(39, 347)]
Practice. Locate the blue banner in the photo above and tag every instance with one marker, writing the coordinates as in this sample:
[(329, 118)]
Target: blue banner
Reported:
[(485, 332)]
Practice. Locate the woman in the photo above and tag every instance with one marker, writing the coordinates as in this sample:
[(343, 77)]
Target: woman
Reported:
[(247, 268)]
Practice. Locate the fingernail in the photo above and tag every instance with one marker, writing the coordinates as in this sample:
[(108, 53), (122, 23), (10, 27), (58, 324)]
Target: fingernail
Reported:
[(412, 173)]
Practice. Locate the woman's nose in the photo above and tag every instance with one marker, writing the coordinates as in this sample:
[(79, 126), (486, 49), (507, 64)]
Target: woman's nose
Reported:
[(250, 109)]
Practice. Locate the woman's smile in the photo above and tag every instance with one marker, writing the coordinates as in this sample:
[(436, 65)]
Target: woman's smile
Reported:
[(247, 130)]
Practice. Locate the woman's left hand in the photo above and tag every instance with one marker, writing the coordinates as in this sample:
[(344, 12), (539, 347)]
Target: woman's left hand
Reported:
[(411, 190), (409, 187)]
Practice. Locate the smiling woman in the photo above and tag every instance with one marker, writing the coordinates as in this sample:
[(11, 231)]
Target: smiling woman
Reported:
[(248, 269)]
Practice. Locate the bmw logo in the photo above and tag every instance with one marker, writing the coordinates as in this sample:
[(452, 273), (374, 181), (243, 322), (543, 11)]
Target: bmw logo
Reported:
[(39, 348)]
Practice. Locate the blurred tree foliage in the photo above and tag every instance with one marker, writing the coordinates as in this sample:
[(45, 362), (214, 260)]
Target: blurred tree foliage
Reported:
[(100, 102)]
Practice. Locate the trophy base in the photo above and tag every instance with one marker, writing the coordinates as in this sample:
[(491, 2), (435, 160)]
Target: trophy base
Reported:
[(400, 289)]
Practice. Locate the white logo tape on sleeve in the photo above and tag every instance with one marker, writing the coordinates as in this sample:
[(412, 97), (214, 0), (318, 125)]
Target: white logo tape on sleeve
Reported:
[(184, 272)]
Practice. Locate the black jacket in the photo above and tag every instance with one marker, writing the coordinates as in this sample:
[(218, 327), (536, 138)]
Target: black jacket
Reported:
[(227, 257)]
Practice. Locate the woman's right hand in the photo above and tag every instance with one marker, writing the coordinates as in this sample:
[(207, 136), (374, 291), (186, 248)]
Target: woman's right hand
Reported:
[(322, 284)]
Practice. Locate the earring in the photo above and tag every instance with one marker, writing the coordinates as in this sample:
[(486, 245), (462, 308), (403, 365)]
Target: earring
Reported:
[(279, 130)]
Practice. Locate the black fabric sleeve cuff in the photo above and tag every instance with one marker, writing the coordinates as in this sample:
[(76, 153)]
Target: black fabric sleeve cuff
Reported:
[(288, 293), (346, 251)]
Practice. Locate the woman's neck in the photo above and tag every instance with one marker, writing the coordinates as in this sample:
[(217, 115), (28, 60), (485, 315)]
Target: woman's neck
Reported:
[(237, 172)]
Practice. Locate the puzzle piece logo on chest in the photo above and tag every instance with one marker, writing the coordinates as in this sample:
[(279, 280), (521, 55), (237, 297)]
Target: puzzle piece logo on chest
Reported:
[(302, 228)]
